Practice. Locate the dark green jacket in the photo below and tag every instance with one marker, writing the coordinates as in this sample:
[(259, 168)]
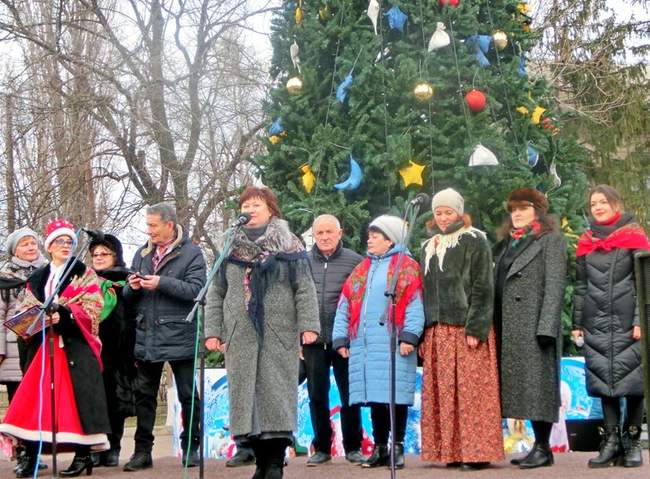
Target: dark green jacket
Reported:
[(462, 294)]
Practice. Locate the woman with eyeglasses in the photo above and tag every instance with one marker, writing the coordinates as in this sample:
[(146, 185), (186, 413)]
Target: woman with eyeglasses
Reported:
[(81, 415), (117, 333)]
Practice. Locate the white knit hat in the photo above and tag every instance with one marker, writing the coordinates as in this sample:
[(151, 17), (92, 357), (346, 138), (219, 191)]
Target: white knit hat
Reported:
[(14, 238), (449, 198), (56, 228), (392, 227)]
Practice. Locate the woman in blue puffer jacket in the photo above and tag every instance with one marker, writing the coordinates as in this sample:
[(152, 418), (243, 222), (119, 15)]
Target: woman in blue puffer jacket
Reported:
[(359, 335)]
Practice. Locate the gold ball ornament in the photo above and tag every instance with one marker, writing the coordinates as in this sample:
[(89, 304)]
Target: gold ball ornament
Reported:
[(294, 85), (423, 91), (275, 139), (500, 39)]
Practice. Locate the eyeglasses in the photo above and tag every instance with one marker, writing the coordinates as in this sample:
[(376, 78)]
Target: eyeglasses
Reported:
[(62, 242), (101, 255)]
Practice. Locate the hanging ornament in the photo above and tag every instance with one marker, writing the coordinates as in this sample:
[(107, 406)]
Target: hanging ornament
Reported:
[(299, 14), (423, 91), (396, 18), (552, 170), (294, 51), (294, 85), (373, 13), (548, 124), (482, 157), (439, 39), (523, 110), (521, 71), (451, 3), (274, 139), (324, 13), (342, 89), (354, 180), (308, 178), (385, 55), (500, 39), (476, 100), (276, 127), (412, 174), (536, 117), (481, 44), (533, 156)]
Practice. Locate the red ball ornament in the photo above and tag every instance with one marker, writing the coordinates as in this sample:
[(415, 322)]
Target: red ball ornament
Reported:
[(476, 100), (451, 3)]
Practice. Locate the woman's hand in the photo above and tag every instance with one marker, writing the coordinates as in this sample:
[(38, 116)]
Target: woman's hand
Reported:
[(55, 317), (309, 337), (472, 341), (343, 352), (215, 344), (636, 332), (405, 349)]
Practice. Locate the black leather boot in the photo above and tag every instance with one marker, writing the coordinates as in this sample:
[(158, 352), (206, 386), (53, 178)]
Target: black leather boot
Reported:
[(518, 460), (541, 456), (611, 448), (275, 452), (110, 458), (399, 456), (260, 462), (632, 446), (25, 466), (79, 465), (379, 457)]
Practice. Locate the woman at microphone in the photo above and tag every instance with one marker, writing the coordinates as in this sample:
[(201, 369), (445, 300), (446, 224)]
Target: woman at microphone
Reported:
[(259, 309)]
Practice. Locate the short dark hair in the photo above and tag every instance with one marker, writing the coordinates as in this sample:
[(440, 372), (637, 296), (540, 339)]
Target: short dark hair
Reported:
[(263, 193)]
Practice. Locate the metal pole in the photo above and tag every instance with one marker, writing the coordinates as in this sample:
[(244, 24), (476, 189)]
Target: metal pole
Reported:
[(52, 400), (642, 270)]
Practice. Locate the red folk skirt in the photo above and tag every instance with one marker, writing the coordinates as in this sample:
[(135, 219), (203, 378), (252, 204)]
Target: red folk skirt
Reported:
[(461, 410), (22, 418)]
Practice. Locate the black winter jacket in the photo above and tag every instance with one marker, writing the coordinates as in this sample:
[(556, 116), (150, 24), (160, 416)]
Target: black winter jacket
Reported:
[(162, 333), (604, 307), (329, 275)]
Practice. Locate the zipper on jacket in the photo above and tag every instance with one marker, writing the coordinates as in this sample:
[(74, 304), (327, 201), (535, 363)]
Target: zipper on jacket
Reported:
[(611, 322), (322, 299), (365, 342)]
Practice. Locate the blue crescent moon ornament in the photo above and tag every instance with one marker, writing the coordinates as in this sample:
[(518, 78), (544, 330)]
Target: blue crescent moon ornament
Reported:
[(354, 180), (521, 71), (276, 127), (533, 156), (342, 89), (481, 44), (396, 18)]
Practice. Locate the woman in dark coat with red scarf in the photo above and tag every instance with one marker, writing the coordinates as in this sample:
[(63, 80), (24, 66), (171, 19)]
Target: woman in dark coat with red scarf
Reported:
[(606, 315)]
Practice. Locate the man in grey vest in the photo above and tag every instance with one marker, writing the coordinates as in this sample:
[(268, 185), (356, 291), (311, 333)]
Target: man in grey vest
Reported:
[(331, 265)]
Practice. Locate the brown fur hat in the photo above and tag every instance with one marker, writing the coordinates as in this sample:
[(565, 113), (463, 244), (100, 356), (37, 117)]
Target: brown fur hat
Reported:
[(527, 197)]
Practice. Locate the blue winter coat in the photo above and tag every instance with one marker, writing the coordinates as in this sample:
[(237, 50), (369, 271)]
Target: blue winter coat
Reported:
[(370, 349)]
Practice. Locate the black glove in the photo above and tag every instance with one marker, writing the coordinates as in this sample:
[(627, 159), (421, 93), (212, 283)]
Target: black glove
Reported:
[(58, 308), (545, 341)]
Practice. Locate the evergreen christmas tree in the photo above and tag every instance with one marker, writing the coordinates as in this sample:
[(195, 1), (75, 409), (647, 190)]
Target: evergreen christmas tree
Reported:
[(376, 101)]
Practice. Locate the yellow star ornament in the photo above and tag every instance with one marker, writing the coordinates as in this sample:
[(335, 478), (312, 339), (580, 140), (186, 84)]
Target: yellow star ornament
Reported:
[(308, 178), (412, 174), (536, 117)]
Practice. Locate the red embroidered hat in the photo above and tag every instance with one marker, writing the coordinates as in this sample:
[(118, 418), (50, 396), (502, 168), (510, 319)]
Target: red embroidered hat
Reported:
[(56, 228)]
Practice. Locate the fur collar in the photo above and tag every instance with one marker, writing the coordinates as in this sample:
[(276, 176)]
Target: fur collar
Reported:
[(277, 239), (440, 243), (149, 247)]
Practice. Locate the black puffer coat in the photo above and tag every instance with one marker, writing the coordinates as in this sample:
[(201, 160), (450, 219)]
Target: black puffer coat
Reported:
[(329, 275), (604, 307)]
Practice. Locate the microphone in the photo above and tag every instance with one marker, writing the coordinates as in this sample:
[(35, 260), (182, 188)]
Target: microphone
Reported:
[(241, 220), (96, 235), (420, 199)]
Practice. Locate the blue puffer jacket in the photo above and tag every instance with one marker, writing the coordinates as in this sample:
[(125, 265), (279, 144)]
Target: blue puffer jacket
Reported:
[(370, 349)]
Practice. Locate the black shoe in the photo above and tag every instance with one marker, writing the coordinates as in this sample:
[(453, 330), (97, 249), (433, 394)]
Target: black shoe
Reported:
[(611, 448), (243, 457), (110, 458), (79, 465), (399, 456), (192, 460), (474, 466), (96, 458), (25, 466), (454, 464), (541, 456), (318, 458), (138, 462), (379, 457), (274, 471), (355, 457), (632, 447), (517, 460)]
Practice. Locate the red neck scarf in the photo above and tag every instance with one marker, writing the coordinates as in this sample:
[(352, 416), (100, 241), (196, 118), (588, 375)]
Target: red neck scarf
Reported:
[(610, 221), (409, 283), (629, 236), (518, 234)]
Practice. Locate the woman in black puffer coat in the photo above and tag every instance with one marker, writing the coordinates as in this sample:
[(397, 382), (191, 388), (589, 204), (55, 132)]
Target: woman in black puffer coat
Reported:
[(605, 316)]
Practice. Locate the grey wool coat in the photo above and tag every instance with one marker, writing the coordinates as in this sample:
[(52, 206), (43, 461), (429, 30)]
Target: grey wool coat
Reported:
[(528, 308), (263, 371)]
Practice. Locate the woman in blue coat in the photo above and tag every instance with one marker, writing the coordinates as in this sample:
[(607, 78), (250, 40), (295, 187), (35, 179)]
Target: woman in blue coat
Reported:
[(359, 335)]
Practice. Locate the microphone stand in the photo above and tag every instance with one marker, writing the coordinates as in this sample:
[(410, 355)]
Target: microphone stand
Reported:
[(199, 310), (413, 209), (67, 269)]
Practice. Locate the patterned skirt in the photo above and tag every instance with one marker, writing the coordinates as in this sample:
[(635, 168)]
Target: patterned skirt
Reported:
[(461, 412)]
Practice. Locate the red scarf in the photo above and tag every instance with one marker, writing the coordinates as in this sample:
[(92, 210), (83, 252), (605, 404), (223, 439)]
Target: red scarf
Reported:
[(629, 236), (409, 283), (518, 234)]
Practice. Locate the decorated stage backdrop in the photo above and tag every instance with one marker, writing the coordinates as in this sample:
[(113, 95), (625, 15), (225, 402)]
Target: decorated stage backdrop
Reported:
[(517, 434)]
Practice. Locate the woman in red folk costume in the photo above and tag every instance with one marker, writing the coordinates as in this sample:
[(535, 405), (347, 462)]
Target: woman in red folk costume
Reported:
[(80, 401), (606, 315)]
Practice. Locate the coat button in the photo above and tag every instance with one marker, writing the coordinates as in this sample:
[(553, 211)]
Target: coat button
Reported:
[(519, 274), (517, 298), (71, 363)]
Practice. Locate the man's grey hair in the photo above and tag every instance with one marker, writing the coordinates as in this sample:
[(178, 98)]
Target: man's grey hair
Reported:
[(327, 217), (165, 210)]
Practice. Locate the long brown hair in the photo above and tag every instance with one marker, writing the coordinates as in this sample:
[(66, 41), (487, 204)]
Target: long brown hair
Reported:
[(610, 193)]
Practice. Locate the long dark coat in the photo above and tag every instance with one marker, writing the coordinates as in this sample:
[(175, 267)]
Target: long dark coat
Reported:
[(604, 307), (530, 298)]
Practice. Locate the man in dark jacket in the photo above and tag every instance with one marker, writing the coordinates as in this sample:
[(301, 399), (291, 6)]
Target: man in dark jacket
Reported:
[(169, 273), (331, 265)]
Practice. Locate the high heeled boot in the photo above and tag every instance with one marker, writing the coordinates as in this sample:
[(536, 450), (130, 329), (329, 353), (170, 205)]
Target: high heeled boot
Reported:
[(632, 447), (379, 457), (611, 448), (80, 463)]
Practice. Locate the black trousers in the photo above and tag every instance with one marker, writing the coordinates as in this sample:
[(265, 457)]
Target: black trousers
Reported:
[(147, 383), (380, 416), (318, 358)]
